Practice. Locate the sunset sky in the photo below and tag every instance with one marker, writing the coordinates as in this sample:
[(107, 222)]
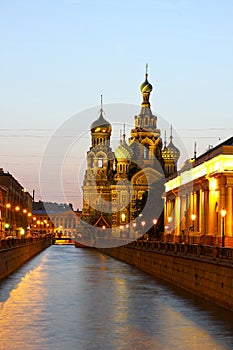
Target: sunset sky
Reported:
[(59, 56)]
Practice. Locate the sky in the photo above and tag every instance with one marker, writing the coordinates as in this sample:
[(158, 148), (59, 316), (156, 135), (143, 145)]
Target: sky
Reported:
[(58, 56)]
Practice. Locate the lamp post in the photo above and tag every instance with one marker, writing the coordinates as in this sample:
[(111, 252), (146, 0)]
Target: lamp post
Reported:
[(223, 214), (143, 223), (154, 223), (169, 229), (193, 217)]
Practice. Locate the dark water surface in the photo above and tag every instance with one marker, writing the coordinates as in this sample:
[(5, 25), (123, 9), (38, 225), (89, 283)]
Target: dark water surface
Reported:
[(69, 298)]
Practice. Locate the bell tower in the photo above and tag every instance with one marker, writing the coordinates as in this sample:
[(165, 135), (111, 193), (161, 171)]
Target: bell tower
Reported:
[(145, 132), (99, 172)]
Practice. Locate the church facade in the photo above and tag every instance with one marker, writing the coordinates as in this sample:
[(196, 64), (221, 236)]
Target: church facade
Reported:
[(122, 189)]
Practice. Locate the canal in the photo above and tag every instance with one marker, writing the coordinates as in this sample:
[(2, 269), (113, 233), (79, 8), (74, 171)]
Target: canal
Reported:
[(69, 298)]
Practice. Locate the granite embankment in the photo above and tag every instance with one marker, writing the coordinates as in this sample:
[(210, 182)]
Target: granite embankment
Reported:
[(204, 270), (15, 252)]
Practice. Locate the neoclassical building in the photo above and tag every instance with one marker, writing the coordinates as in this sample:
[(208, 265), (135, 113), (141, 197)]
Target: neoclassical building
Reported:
[(122, 189), (199, 199)]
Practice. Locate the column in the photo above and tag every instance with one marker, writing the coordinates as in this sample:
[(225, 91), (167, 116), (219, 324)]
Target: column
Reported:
[(205, 219), (229, 211), (177, 216)]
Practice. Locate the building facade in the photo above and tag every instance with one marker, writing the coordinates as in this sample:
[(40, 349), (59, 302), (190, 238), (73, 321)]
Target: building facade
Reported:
[(122, 186), (16, 207), (59, 220), (199, 199)]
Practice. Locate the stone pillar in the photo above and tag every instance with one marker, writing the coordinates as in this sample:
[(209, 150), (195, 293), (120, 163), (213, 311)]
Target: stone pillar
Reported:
[(200, 212), (206, 212)]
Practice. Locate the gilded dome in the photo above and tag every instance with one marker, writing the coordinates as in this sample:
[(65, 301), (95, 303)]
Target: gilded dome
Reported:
[(166, 154), (101, 125), (123, 151), (174, 151), (146, 87)]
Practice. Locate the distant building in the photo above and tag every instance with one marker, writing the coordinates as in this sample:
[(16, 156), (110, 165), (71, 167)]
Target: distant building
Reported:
[(199, 199), (57, 219), (117, 184), (3, 198), (16, 206)]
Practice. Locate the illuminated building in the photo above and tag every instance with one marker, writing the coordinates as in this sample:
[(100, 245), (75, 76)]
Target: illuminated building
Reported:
[(3, 192), (57, 219), (17, 208), (116, 184), (199, 199)]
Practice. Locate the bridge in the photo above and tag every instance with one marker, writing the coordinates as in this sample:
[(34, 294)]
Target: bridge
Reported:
[(63, 240)]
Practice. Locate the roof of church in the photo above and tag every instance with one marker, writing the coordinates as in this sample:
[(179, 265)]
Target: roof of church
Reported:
[(101, 124)]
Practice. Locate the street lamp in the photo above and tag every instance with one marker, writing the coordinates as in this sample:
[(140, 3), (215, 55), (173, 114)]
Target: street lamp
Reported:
[(223, 214), (193, 218), (154, 227)]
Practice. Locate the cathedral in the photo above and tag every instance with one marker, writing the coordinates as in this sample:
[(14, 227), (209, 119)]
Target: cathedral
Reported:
[(123, 189)]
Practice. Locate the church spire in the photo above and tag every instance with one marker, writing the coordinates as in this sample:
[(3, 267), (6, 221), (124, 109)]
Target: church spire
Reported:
[(101, 104), (165, 139), (171, 137), (124, 133), (146, 75)]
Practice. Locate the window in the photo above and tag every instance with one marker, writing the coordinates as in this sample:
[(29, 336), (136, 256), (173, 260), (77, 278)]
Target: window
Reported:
[(100, 162)]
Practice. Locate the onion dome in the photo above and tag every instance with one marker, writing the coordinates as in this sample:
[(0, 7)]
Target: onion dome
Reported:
[(170, 151), (174, 151), (101, 125), (146, 87), (123, 151)]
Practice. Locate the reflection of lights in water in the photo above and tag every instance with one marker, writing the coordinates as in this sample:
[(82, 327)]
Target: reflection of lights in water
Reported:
[(97, 299), (26, 299)]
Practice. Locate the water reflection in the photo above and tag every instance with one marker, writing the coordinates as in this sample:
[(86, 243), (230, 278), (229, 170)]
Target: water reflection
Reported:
[(67, 298)]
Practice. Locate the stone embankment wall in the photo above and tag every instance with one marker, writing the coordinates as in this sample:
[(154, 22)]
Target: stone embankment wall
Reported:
[(15, 252), (203, 270)]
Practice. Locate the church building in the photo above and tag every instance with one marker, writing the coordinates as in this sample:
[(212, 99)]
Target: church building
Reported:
[(123, 189)]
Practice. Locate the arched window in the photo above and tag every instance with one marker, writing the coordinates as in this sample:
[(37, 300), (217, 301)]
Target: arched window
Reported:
[(120, 167), (100, 161)]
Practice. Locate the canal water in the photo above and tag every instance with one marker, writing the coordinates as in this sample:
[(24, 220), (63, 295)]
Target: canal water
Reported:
[(69, 298)]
